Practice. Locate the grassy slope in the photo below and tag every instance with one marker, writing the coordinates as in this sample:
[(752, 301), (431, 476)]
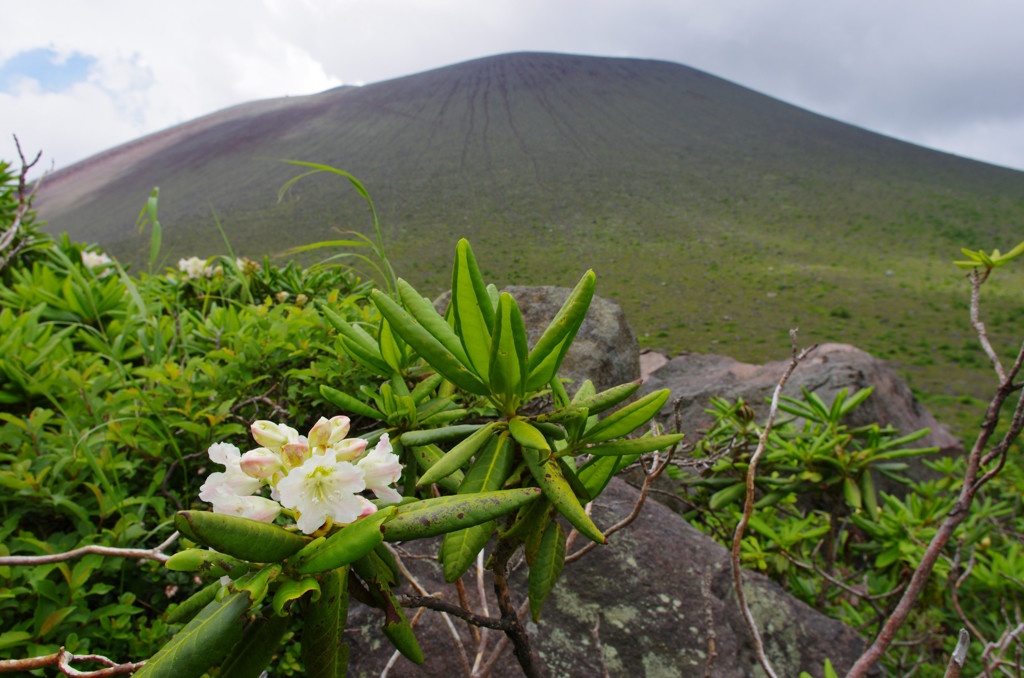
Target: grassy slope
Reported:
[(718, 217)]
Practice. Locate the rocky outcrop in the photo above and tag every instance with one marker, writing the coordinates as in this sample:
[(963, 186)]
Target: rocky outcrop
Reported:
[(635, 607), (605, 351), (694, 378)]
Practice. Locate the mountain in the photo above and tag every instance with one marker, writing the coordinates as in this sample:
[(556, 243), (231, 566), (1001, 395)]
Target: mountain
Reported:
[(718, 217)]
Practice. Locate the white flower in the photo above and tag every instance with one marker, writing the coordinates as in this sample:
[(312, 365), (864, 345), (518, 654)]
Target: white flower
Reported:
[(273, 436), (254, 508), (96, 260), (232, 481), (381, 467), (323, 488), (349, 449), (191, 267)]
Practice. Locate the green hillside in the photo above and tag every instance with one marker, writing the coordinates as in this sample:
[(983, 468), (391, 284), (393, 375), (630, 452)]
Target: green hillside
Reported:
[(718, 217)]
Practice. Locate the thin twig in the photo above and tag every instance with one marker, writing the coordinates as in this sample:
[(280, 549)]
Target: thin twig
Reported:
[(156, 553), (62, 660), (598, 649), (748, 509), (961, 507), (709, 619)]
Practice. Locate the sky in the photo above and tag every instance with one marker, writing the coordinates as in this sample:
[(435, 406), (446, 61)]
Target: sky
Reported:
[(78, 77)]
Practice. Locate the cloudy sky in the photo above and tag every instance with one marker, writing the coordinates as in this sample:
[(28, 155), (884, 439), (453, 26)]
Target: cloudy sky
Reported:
[(80, 76)]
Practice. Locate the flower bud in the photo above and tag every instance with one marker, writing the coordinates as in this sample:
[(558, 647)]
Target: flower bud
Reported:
[(320, 433), (349, 449), (294, 453), (341, 425), (260, 463), (268, 434)]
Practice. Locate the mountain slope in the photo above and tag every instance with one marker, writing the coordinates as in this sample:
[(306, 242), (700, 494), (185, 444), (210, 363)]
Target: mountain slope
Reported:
[(716, 215)]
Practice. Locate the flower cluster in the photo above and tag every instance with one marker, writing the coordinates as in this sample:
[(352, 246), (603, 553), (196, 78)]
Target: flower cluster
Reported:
[(97, 260), (318, 477)]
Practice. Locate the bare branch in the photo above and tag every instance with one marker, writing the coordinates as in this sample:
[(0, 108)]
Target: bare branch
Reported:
[(748, 508), (62, 660), (156, 553)]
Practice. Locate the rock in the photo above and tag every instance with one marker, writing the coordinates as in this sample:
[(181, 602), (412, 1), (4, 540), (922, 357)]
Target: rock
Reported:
[(641, 596), (605, 351), (696, 377)]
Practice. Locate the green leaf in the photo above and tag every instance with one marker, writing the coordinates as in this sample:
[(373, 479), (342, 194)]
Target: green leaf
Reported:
[(527, 435), (324, 650), (348, 403), (432, 517), (427, 316), (507, 362), (439, 435), (428, 347), (458, 455), (634, 445), (253, 653), (598, 472), (203, 642), (559, 492), (191, 606), (472, 309), (549, 351), (727, 496), (389, 348), (627, 419), (348, 544), (851, 492), (243, 538), (488, 473), (547, 567), (428, 455), (294, 589), (599, 402)]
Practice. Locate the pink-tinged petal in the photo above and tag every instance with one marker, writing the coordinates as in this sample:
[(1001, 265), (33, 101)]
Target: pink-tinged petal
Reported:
[(267, 434), (320, 433), (368, 506), (295, 453), (254, 508), (381, 468), (260, 463), (224, 453), (349, 449), (340, 426)]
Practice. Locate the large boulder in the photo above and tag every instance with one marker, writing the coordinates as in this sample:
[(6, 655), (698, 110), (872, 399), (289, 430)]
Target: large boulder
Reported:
[(694, 378), (635, 606), (605, 351)]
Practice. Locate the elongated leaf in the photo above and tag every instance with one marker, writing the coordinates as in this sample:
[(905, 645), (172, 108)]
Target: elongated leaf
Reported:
[(556, 488), (598, 472), (203, 642), (324, 650), (429, 348), (472, 309), (635, 445), (527, 435), (727, 495), (549, 351), (507, 362), (348, 403), (599, 402), (432, 517), (389, 347), (488, 474), (348, 544), (627, 419), (253, 653), (439, 435), (546, 567), (295, 589), (242, 538), (458, 455), (428, 455), (427, 316), (193, 605), (398, 629)]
